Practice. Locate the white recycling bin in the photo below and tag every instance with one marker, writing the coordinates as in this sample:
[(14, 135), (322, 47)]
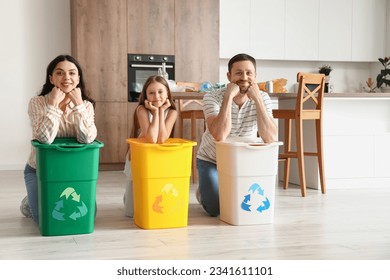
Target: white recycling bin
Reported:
[(247, 170)]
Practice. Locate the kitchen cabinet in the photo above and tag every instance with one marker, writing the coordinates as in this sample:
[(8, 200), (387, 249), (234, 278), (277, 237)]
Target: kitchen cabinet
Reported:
[(310, 30), (234, 28), (369, 30), (267, 29), (99, 42), (197, 41), (355, 142), (105, 31), (151, 27), (301, 36), (335, 29)]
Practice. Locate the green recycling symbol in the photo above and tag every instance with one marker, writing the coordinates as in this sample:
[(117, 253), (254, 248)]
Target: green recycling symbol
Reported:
[(69, 195)]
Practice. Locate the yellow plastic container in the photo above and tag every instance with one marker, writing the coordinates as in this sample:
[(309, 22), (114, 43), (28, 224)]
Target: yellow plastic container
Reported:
[(161, 182)]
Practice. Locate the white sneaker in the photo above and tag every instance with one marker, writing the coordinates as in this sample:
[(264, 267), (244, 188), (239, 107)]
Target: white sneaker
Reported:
[(25, 208)]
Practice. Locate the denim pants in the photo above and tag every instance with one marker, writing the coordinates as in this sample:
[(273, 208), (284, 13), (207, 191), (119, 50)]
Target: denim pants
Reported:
[(208, 186), (31, 181)]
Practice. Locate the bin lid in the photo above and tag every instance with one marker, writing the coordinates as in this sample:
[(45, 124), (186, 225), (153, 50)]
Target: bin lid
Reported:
[(168, 142), (66, 143), (247, 141)]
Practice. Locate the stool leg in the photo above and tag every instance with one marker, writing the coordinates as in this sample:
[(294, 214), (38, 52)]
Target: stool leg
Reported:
[(181, 125), (320, 154), (193, 138), (300, 155), (287, 149)]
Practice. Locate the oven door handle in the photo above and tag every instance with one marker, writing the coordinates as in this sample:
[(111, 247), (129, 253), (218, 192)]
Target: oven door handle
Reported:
[(149, 66)]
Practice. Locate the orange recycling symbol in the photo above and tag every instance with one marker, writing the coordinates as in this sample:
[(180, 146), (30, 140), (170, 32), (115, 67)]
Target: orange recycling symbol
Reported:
[(167, 200)]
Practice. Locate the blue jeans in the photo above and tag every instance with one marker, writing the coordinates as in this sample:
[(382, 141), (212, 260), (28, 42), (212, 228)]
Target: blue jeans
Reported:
[(31, 181), (208, 186)]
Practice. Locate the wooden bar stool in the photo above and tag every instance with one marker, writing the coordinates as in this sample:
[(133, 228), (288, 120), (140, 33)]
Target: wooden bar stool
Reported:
[(310, 90), (193, 115)]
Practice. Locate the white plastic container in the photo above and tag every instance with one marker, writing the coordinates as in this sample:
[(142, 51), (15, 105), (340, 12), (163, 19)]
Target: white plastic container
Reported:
[(247, 170)]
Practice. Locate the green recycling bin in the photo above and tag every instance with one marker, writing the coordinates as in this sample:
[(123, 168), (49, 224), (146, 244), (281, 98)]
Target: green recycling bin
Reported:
[(67, 173)]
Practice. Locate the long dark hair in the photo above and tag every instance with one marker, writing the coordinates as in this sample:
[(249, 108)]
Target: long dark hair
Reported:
[(142, 98), (48, 86)]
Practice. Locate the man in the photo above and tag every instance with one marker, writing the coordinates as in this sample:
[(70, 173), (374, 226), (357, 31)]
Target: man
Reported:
[(240, 109)]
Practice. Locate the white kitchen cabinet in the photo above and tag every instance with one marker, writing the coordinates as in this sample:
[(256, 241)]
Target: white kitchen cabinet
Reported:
[(335, 29), (267, 29), (368, 30), (355, 142), (316, 30), (382, 155), (234, 30), (349, 156), (302, 30)]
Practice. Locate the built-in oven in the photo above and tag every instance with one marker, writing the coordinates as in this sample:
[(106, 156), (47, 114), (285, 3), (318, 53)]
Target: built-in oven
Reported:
[(142, 66)]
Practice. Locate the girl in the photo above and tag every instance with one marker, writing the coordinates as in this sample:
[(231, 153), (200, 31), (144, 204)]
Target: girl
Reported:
[(62, 109), (154, 119)]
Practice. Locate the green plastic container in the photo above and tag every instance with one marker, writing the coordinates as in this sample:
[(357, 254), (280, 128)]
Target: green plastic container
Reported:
[(67, 172)]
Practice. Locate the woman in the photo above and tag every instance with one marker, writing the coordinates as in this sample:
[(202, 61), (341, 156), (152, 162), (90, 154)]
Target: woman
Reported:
[(62, 109)]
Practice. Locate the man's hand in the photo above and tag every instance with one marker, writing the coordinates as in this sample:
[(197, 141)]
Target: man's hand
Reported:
[(253, 91), (232, 89)]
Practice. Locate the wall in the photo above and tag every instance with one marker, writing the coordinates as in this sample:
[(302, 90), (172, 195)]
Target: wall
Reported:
[(33, 33), (346, 77)]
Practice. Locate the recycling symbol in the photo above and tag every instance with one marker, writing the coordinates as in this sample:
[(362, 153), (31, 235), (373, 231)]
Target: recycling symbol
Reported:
[(166, 201), (69, 197), (255, 198)]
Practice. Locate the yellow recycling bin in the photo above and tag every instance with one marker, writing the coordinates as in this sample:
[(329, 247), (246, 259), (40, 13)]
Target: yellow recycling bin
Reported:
[(161, 182)]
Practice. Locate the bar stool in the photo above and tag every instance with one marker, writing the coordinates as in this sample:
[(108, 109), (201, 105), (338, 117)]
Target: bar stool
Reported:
[(310, 91), (193, 115)]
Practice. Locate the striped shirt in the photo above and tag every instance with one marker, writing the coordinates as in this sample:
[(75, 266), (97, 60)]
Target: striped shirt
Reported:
[(244, 121), (49, 122)]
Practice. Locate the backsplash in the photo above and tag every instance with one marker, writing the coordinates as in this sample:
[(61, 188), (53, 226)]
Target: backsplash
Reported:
[(345, 77)]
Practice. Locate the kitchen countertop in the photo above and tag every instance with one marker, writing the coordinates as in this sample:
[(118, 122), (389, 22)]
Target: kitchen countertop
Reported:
[(376, 95), (347, 95)]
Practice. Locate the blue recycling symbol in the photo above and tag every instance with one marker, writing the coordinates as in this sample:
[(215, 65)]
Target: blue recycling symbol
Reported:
[(255, 190), (70, 197)]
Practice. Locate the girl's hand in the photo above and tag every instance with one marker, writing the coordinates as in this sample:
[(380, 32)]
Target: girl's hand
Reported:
[(56, 96), (166, 105), (149, 105), (75, 96)]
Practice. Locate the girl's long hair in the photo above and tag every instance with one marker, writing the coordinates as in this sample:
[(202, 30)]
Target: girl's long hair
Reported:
[(151, 79)]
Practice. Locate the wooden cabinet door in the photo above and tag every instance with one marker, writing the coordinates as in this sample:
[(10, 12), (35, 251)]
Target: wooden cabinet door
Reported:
[(150, 27), (197, 41), (111, 123), (99, 42)]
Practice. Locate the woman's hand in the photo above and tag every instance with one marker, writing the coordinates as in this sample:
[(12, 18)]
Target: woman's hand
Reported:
[(56, 96), (75, 96)]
